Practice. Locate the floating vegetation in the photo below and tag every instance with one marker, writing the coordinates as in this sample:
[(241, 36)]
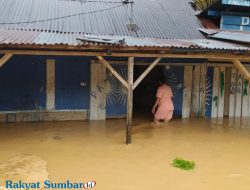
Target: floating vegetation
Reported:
[(183, 164)]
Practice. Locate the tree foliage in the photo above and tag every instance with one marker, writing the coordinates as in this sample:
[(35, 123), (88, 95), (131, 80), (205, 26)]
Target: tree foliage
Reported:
[(203, 4)]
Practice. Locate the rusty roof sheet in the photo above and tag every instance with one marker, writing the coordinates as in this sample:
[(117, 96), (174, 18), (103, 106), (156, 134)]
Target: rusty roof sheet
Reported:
[(51, 39), (239, 36), (172, 19), (235, 36)]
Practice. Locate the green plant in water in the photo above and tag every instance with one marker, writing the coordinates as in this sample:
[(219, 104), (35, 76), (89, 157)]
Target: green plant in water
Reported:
[(183, 164)]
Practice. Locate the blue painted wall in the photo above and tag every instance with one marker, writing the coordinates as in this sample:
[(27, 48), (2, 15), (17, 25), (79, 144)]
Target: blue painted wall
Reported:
[(72, 83), (116, 104), (22, 84), (236, 2), (235, 22), (174, 76), (209, 92)]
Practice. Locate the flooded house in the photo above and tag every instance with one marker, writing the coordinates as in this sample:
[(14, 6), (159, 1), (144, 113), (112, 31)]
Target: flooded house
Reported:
[(97, 60)]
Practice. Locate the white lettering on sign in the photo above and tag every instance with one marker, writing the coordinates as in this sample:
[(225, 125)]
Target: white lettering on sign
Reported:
[(245, 21)]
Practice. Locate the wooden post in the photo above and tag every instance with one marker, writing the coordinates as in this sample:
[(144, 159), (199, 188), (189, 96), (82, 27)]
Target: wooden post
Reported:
[(238, 103), (232, 96), (97, 109), (203, 80), (186, 106), (196, 91), (215, 96), (50, 84), (130, 99), (245, 98), (227, 91), (221, 92)]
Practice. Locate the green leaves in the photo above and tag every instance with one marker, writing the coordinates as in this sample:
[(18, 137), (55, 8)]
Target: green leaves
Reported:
[(203, 4), (183, 164)]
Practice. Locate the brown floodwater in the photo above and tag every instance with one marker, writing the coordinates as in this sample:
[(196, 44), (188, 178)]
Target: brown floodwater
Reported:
[(82, 151)]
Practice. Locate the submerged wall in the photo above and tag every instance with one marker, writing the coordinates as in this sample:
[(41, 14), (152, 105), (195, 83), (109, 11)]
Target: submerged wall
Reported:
[(28, 92)]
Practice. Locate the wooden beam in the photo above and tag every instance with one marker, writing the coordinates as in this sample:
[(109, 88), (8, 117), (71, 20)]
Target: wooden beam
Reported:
[(113, 71), (5, 58), (130, 99), (144, 74), (241, 69), (166, 54), (219, 64)]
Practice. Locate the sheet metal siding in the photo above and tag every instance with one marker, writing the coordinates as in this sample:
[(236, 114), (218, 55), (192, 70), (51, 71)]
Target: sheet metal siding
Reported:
[(72, 83), (23, 84), (229, 22), (236, 2), (173, 19), (245, 38)]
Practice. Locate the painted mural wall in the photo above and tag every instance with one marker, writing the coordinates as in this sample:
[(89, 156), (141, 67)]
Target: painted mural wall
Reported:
[(23, 87)]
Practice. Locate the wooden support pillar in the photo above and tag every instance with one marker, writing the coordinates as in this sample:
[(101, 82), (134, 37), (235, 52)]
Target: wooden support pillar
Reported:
[(5, 58), (215, 95), (232, 96), (187, 90), (203, 81), (221, 95), (130, 99), (50, 84), (196, 91)]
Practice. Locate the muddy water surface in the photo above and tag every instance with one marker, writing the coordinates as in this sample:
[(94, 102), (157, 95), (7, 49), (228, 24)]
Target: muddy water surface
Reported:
[(85, 151)]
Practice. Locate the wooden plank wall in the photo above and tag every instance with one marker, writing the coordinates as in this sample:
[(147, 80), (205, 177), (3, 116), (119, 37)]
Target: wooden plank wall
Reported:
[(187, 88), (195, 91), (230, 92), (238, 101), (215, 93), (232, 96), (221, 92)]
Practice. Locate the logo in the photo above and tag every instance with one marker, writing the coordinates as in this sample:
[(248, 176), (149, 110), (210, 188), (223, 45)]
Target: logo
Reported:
[(89, 185), (20, 185)]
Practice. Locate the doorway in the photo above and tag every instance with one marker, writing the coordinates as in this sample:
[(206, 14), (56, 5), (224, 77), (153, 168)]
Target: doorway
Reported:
[(145, 92)]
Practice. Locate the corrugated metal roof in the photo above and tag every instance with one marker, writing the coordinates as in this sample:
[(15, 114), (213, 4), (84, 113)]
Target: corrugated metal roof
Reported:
[(236, 36), (173, 19), (243, 37), (15, 38), (219, 45)]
